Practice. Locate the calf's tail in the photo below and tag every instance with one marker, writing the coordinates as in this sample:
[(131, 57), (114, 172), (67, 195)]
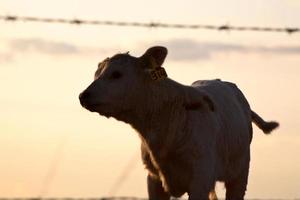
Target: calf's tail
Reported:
[(266, 127)]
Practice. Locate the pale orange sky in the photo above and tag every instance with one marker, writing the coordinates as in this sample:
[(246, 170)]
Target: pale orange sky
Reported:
[(44, 67)]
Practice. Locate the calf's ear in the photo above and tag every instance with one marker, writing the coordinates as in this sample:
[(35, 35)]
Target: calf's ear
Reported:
[(154, 57), (196, 100)]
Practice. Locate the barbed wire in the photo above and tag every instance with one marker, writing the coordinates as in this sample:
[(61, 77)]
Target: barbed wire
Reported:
[(225, 27)]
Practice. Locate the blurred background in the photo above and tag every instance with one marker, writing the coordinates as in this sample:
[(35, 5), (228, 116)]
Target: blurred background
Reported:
[(51, 147)]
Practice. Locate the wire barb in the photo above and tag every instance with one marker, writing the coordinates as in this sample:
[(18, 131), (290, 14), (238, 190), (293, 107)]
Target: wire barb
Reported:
[(14, 18)]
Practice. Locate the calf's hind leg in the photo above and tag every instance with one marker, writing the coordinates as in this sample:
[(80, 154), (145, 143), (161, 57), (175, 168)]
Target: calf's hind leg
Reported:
[(155, 189)]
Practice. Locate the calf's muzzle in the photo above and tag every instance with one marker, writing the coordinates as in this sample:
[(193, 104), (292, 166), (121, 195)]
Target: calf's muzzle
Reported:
[(83, 98)]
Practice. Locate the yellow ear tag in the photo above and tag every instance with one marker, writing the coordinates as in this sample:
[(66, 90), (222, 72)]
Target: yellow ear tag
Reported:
[(157, 73)]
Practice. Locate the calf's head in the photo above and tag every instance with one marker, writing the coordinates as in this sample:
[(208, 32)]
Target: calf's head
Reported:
[(122, 82)]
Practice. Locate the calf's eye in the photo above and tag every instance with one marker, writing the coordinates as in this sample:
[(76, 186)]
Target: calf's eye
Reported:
[(115, 75)]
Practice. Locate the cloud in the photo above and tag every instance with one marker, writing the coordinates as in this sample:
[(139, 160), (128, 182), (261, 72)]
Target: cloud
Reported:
[(278, 49), (42, 46), (190, 50), (21, 46), (179, 49), (5, 57)]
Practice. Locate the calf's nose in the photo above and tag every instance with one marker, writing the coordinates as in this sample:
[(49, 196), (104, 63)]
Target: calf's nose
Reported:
[(83, 96)]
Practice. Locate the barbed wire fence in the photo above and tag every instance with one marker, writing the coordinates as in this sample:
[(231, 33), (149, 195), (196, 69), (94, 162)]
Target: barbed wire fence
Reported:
[(225, 27)]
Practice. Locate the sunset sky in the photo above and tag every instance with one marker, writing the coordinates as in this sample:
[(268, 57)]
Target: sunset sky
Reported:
[(51, 146)]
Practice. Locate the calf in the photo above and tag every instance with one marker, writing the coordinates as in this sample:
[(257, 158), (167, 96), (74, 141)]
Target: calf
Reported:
[(191, 136)]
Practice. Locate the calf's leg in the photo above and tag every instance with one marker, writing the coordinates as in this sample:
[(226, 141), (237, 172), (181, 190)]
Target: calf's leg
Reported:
[(155, 189), (203, 181), (236, 188)]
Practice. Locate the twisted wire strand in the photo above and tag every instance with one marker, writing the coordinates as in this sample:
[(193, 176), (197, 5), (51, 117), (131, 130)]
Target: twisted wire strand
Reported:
[(226, 27)]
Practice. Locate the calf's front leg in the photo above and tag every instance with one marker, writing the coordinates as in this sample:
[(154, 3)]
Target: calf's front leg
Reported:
[(155, 189), (203, 181)]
